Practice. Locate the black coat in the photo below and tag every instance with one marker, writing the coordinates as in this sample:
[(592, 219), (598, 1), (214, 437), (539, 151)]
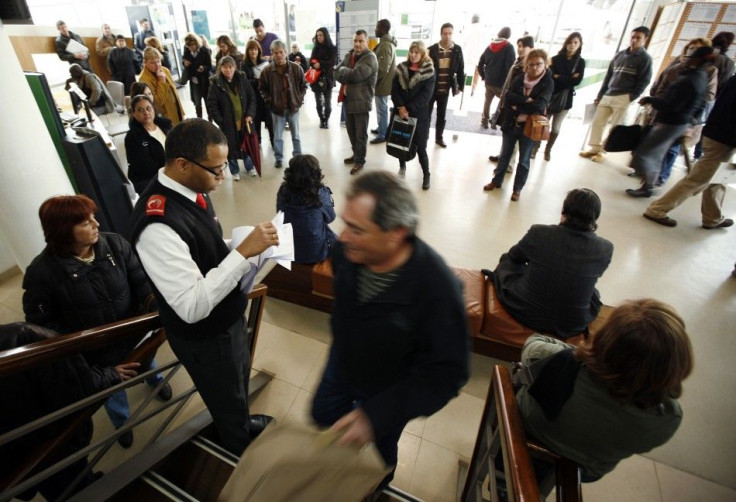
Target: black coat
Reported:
[(299, 59), (222, 112), (327, 57), (145, 154), (457, 67), (202, 59), (541, 93), (721, 123), (413, 90), (683, 100), (563, 68), (124, 65), (66, 295), (262, 112)]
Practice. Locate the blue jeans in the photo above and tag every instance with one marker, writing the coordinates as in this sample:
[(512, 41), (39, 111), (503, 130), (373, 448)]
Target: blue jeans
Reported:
[(116, 405), (279, 122), (669, 160), (382, 113), (507, 149), (235, 168)]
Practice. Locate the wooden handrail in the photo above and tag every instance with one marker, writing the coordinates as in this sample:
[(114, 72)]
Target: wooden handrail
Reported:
[(34, 354), (501, 431), (521, 483)]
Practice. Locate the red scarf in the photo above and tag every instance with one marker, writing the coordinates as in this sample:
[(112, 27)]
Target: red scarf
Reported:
[(341, 94)]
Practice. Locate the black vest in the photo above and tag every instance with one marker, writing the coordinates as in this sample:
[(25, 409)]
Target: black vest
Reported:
[(201, 231)]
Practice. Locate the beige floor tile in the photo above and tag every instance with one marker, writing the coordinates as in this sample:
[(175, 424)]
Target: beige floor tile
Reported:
[(315, 374), (11, 291), (481, 368), (301, 407), (408, 452), (274, 399), (288, 355), (677, 485), (456, 425), (633, 480), (308, 322), (435, 473), (416, 426)]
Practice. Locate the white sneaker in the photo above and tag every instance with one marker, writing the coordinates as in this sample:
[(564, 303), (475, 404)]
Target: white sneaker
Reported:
[(236, 177), (252, 173)]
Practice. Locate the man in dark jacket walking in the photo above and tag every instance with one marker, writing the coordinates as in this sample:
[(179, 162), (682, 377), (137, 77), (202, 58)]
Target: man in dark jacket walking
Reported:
[(449, 67), (400, 344), (123, 63), (493, 66), (719, 145)]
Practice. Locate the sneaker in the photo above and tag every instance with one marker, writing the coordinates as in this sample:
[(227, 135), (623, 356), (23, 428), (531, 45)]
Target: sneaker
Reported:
[(374, 131), (725, 223), (236, 177), (278, 164), (377, 140), (598, 157), (588, 154), (252, 173)]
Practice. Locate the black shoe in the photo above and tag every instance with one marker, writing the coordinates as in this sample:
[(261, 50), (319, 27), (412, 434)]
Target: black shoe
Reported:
[(256, 424), (374, 131), (666, 220), (640, 192), (349, 160), (441, 143), (725, 223), (278, 164), (126, 439), (493, 158), (377, 140), (425, 182), (633, 174), (165, 393)]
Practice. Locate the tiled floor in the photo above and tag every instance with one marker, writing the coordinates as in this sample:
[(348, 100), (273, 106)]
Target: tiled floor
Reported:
[(686, 266)]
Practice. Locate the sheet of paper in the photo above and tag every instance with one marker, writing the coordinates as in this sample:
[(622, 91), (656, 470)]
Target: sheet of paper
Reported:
[(73, 47)]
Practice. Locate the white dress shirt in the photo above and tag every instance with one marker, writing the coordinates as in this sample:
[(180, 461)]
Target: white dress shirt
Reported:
[(170, 266)]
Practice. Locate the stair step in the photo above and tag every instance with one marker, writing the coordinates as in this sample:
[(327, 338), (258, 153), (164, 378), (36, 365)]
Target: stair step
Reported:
[(141, 490), (197, 468)]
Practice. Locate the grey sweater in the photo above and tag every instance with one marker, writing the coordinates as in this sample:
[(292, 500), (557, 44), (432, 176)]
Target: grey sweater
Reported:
[(629, 73)]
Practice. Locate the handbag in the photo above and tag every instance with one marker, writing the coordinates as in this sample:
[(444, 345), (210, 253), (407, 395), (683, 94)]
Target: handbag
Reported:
[(559, 99), (623, 138), (400, 138), (312, 75), (536, 128)]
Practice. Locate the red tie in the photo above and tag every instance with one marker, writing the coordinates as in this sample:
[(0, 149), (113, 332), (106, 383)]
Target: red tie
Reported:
[(201, 202)]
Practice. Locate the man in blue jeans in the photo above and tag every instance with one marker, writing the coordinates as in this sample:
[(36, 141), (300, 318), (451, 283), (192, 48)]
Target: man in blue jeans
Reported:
[(400, 344), (282, 86), (385, 53)]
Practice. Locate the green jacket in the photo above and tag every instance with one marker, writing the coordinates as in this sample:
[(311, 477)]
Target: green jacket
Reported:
[(385, 53)]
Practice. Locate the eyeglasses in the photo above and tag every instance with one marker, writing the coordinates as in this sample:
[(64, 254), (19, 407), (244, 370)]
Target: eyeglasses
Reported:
[(535, 64), (208, 169)]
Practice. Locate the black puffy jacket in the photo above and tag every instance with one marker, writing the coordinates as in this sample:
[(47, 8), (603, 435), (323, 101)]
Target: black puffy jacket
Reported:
[(66, 295)]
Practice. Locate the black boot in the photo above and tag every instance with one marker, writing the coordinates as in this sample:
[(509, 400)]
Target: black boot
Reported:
[(425, 181), (550, 144), (326, 119), (198, 108)]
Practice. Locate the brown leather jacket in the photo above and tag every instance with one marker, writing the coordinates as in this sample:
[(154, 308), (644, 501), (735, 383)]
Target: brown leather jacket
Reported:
[(270, 85)]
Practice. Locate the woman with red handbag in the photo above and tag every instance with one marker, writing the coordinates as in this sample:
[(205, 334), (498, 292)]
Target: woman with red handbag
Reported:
[(323, 59)]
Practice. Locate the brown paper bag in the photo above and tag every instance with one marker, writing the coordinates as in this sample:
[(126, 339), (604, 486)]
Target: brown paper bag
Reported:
[(295, 462)]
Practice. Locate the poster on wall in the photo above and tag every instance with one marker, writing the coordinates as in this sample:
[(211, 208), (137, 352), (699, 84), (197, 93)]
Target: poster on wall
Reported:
[(200, 23)]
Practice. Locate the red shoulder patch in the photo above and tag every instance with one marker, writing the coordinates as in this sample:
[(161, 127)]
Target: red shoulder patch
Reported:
[(155, 205)]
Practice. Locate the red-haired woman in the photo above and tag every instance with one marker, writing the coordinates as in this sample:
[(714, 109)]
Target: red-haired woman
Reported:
[(86, 278)]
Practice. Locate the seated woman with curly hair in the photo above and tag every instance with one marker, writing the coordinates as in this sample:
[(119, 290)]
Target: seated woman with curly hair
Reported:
[(615, 395), (307, 204)]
